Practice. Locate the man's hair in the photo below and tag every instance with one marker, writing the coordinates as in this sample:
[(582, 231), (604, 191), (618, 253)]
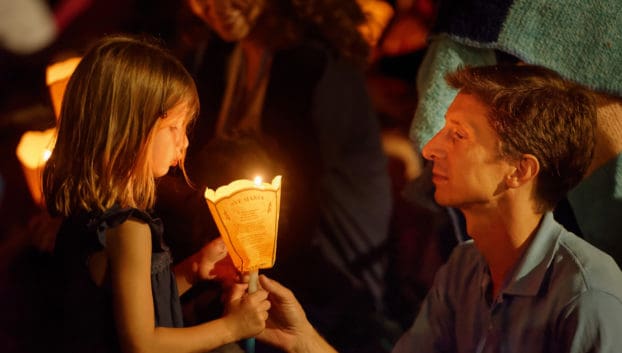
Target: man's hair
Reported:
[(535, 111), (119, 91)]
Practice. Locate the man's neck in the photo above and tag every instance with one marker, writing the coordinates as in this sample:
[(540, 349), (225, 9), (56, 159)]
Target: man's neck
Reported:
[(502, 235)]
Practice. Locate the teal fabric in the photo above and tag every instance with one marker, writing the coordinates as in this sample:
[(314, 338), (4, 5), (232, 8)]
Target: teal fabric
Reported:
[(579, 39), (443, 55)]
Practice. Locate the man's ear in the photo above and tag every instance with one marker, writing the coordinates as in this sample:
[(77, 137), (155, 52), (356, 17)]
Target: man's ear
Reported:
[(527, 168)]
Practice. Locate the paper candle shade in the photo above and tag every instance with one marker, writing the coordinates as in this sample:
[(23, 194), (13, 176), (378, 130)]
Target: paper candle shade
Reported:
[(56, 77), (247, 216), (33, 150)]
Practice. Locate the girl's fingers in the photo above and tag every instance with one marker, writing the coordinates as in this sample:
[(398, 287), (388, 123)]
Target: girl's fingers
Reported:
[(237, 291)]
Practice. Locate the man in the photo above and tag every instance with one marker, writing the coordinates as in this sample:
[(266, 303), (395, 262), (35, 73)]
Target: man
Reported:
[(515, 140), (556, 34)]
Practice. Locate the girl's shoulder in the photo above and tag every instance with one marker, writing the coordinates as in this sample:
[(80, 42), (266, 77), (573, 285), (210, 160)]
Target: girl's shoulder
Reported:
[(115, 217)]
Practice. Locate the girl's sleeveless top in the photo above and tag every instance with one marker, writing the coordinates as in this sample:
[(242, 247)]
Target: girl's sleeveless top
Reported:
[(86, 321)]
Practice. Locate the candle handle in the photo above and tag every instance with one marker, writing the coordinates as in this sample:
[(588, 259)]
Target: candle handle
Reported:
[(252, 288), (252, 282)]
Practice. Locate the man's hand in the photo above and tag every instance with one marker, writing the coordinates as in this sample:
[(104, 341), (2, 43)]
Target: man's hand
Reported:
[(287, 326)]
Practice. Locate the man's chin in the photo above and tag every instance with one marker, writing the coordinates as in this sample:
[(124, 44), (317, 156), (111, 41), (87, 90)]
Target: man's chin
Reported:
[(443, 200)]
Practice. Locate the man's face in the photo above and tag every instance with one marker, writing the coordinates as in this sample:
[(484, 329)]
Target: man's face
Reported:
[(468, 170)]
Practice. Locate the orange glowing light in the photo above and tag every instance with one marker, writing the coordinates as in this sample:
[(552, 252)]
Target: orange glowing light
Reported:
[(33, 150)]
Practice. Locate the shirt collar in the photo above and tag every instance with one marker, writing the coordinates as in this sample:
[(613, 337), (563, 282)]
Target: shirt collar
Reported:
[(529, 273)]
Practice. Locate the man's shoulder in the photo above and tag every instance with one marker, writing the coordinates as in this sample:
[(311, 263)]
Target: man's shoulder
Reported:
[(461, 276), (465, 258), (466, 250), (591, 268)]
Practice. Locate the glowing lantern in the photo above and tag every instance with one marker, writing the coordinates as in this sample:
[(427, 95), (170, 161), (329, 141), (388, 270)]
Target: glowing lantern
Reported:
[(247, 215), (33, 150), (35, 147), (56, 76)]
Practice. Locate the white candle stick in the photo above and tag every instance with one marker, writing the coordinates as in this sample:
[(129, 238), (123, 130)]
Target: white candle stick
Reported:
[(252, 288), (252, 282)]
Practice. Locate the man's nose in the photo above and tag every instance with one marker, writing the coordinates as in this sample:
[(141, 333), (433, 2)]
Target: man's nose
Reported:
[(432, 150)]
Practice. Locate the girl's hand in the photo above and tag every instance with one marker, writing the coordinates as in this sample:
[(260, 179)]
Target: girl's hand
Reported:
[(246, 313), (209, 263), (212, 263)]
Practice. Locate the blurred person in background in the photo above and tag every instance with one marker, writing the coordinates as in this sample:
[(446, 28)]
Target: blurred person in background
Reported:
[(285, 78)]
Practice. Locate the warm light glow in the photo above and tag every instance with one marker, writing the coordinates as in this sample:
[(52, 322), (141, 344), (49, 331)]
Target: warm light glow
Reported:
[(33, 150), (247, 217), (378, 15), (61, 70), (46, 155), (35, 147), (258, 180), (56, 77)]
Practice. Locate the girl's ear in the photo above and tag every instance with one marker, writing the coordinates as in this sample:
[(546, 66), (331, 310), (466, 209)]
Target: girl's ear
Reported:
[(527, 168)]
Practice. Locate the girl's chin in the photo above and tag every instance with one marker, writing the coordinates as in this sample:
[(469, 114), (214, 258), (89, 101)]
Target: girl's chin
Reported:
[(160, 173)]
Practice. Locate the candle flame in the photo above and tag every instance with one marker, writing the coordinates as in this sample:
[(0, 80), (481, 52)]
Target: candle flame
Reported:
[(258, 180), (46, 155)]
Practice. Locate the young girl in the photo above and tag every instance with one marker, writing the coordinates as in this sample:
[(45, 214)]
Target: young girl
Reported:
[(123, 124)]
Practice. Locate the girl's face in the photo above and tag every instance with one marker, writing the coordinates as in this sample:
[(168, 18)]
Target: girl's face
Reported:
[(169, 141), (233, 20)]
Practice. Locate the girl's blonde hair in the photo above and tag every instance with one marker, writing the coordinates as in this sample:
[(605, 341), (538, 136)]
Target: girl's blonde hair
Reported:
[(115, 97)]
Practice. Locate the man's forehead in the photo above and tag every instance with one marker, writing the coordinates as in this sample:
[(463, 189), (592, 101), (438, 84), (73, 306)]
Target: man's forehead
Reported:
[(468, 111), (465, 106)]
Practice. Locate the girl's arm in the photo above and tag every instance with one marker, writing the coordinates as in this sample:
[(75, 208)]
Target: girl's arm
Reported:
[(128, 248)]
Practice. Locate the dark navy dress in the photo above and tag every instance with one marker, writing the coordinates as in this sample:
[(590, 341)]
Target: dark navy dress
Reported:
[(86, 322)]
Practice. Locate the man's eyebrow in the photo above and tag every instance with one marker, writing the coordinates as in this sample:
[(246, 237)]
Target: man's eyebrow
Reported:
[(455, 122), (463, 125)]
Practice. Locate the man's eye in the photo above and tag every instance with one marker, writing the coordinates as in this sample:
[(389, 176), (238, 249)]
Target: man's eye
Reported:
[(459, 135)]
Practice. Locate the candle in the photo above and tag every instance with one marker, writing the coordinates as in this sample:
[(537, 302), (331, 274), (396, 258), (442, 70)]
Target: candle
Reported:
[(33, 150), (247, 214), (56, 76)]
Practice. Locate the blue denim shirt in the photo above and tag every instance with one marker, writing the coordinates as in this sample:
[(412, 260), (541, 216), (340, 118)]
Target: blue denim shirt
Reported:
[(564, 295)]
